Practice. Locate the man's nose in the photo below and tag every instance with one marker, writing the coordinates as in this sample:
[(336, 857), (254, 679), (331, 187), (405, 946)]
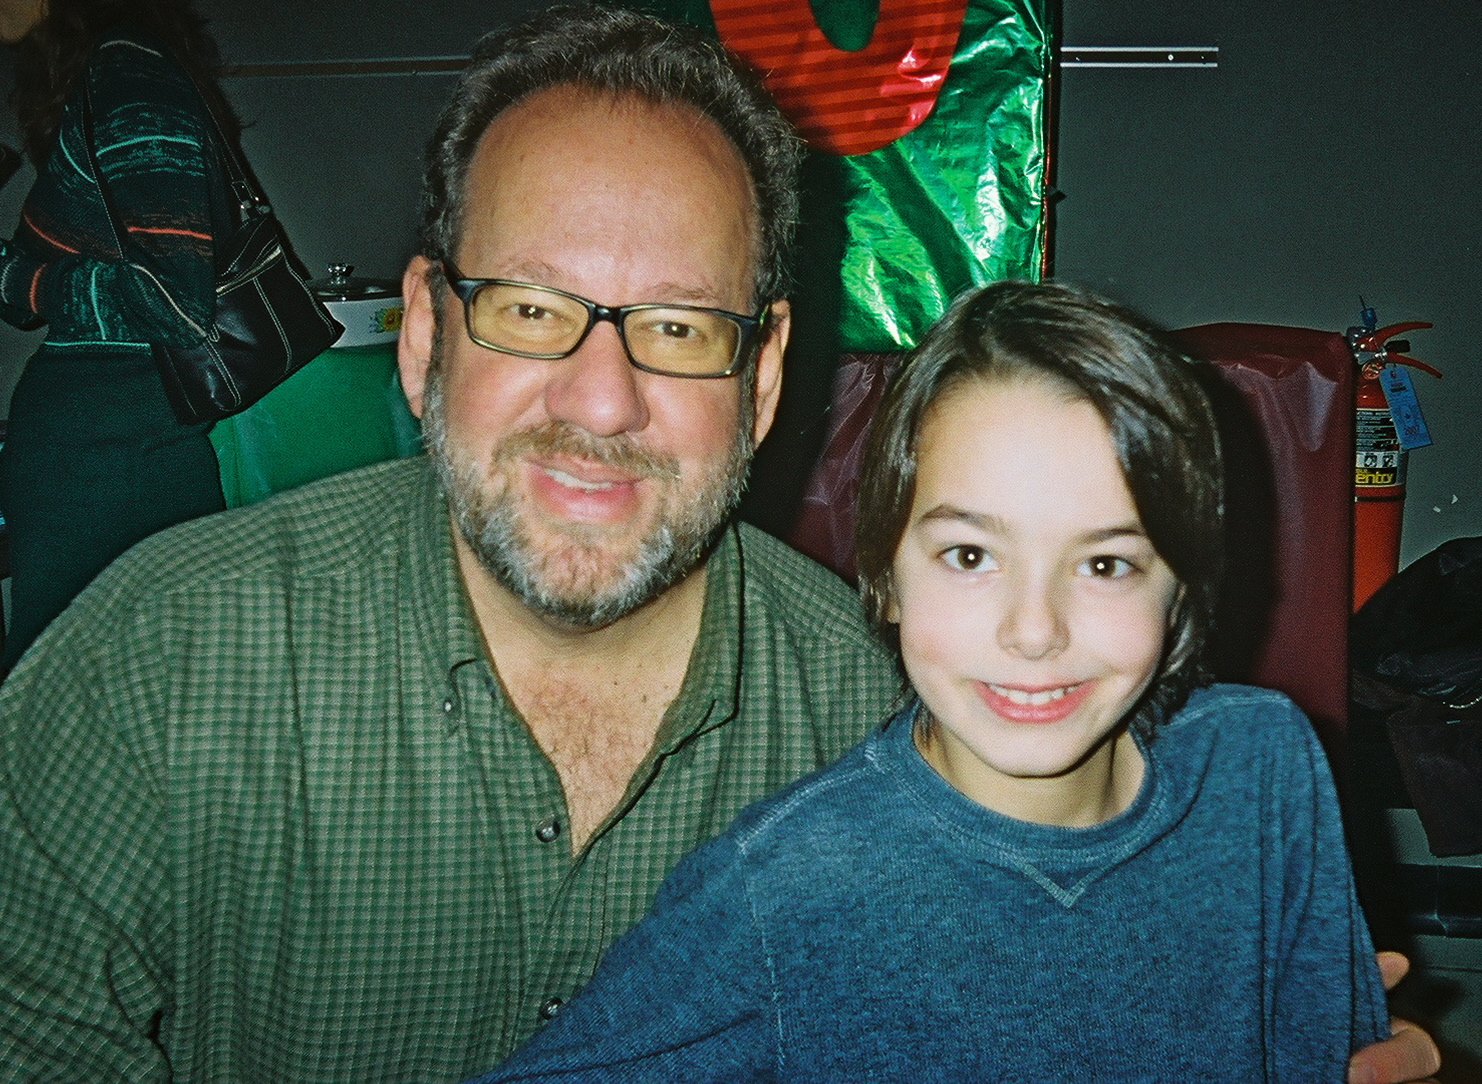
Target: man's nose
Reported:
[(1034, 624), (597, 388)]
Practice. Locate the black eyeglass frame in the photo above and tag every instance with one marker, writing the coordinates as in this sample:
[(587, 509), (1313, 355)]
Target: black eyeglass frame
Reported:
[(747, 345)]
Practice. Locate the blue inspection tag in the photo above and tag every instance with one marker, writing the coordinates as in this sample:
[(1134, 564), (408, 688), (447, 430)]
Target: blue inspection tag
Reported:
[(1404, 407)]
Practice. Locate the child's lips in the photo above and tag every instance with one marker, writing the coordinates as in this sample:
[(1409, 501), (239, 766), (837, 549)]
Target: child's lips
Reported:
[(1044, 704)]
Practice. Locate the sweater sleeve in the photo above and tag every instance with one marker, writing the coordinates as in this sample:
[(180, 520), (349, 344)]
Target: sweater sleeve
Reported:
[(686, 995), (1324, 979), (153, 280)]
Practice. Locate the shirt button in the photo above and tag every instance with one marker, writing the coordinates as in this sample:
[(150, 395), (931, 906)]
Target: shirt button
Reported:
[(548, 831), (550, 1007), (448, 706)]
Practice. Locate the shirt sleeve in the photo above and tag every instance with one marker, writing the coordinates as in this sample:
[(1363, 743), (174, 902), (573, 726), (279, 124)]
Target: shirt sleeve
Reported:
[(1324, 978), (155, 150), (84, 980), (685, 996)]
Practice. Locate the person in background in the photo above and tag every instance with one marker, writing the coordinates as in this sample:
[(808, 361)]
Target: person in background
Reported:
[(360, 782), (1069, 857), (94, 458)]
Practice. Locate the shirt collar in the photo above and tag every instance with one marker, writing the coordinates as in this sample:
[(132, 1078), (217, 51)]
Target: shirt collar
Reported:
[(711, 691), (445, 620)]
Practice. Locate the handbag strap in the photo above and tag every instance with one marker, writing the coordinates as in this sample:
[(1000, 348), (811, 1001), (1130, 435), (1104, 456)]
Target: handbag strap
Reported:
[(92, 156), (250, 197)]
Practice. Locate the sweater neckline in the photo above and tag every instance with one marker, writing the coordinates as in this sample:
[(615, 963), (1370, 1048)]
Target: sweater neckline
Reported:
[(994, 836)]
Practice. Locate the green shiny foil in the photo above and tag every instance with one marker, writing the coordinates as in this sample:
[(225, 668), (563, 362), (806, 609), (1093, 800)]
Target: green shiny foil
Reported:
[(890, 237), (959, 201)]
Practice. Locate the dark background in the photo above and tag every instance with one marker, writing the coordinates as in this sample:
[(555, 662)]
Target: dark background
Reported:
[(1334, 152)]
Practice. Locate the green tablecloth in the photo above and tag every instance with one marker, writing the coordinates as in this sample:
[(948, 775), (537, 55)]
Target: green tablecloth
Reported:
[(343, 410)]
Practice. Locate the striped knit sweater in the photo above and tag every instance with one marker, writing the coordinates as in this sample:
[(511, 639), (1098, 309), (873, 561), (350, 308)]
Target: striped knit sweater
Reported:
[(155, 146)]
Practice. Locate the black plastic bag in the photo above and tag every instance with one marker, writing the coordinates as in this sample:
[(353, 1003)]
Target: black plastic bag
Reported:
[(1416, 654)]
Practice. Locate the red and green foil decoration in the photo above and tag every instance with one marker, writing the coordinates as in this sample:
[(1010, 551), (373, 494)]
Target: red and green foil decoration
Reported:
[(937, 111)]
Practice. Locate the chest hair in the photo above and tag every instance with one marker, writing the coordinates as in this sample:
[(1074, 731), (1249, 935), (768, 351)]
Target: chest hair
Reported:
[(596, 732)]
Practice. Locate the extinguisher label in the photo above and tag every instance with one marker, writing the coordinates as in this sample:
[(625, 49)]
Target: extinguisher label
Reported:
[(1379, 477), (1378, 458)]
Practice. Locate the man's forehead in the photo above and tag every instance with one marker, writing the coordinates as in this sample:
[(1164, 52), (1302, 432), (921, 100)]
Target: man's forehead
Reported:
[(569, 127), (573, 105), (569, 167)]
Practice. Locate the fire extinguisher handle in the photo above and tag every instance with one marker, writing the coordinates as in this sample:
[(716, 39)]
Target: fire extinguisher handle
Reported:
[(1375, 340), (1401, 359)]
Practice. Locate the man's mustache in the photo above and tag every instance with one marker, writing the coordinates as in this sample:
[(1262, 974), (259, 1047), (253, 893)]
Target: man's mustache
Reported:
[(622, 452)]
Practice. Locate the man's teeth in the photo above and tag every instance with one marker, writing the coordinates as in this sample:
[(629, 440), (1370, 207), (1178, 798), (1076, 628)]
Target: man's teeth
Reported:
[(1039, 699), (574, 482)]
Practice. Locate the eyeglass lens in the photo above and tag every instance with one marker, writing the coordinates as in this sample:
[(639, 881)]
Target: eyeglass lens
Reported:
[(525, 319)]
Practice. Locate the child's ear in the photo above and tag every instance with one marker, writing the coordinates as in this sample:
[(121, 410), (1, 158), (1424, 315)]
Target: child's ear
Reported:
[(892, 608)]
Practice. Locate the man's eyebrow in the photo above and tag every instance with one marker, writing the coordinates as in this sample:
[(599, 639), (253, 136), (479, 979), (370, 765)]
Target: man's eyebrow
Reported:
[(535, 272), (690, 295), (540, 273)]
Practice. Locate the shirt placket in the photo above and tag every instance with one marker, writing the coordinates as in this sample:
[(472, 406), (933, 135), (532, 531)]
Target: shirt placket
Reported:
[(522, 811)]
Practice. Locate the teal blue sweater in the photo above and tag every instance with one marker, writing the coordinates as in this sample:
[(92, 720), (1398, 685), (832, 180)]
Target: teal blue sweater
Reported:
[(156, 148), (872, 924)]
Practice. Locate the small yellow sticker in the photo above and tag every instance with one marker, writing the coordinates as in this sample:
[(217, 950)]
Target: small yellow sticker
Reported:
[(387, 320), (1362, 477)]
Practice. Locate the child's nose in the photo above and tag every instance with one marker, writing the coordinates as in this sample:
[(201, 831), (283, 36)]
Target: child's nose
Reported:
[(1034, 625)]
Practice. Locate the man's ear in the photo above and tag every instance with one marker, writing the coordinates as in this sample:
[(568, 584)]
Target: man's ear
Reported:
[(418, 329), (768, 373)]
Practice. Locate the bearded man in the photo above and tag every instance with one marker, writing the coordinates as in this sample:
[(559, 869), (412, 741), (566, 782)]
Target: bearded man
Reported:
[(359, 783)]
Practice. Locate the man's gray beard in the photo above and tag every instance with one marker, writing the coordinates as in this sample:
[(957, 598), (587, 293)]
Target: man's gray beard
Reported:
[(491, 524)]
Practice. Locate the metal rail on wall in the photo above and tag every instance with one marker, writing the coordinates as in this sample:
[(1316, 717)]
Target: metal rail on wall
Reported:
[(1069, 56), (415, 65), (1152, 56)]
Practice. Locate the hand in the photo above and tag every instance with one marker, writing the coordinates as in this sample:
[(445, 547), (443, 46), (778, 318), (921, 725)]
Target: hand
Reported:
[(1408, 1055)]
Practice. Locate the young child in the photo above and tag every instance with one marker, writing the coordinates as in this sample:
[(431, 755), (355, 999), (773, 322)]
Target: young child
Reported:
[(1066, 860)]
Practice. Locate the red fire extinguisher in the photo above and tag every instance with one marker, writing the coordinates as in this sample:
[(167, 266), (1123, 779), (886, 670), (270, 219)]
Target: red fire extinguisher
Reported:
[(1387, 425)]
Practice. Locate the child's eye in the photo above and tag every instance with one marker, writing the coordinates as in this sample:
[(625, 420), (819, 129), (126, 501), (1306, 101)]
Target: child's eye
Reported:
[(967, 558), (1106, 566)]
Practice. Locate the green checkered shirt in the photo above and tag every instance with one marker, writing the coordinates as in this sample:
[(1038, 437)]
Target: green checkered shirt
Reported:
[(268, 815)]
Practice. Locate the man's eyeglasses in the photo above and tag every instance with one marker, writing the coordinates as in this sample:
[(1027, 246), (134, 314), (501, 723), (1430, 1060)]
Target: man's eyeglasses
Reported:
[(540, 322)]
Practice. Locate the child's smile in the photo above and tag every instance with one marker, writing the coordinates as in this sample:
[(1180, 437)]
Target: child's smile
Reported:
[(1034, 705), (1032, 606)]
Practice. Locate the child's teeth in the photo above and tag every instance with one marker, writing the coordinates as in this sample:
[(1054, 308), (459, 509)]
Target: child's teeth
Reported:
[(1020, 696)]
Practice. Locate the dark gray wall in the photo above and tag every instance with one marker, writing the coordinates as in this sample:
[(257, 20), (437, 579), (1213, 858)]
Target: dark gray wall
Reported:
[(15, 346), (1334, 152)]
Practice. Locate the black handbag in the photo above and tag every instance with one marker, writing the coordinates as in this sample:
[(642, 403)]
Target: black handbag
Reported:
[(268, 322)]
